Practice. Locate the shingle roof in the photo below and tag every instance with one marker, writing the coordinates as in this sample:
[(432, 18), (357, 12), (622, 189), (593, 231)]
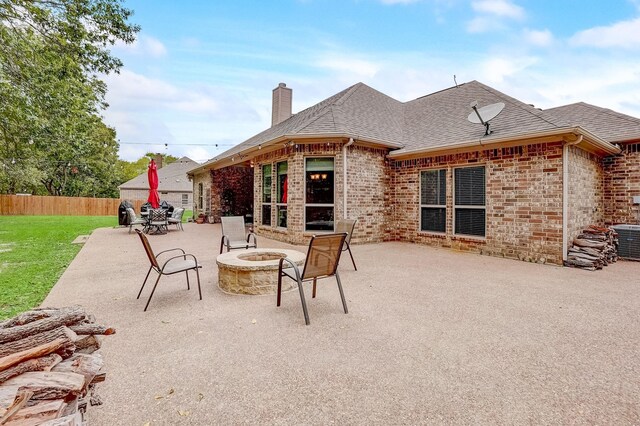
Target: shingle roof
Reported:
[(610, 125), (435, 120), (173, 177)]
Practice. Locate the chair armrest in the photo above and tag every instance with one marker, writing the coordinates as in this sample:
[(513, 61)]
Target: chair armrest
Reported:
[(255, 239), (170, 250), (224, 241), (181, 256), (293, 265)]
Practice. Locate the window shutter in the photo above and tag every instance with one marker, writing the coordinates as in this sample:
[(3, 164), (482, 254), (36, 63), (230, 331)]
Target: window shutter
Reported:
[(433, 187), (469, 186)]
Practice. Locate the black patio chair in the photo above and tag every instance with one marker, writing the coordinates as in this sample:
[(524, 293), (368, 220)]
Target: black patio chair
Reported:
[(183, 262), (322, 261)]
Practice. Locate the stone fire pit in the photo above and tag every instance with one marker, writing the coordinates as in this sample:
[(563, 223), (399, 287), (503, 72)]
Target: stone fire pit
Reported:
[(255, 271)]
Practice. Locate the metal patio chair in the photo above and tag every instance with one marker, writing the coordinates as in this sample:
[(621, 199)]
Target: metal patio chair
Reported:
[(176, 218), (322, 261), (182, 262), (347, 225), (157, 222), (234, 234), (134, 220)]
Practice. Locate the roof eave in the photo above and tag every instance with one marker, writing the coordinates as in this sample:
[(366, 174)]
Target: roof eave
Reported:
[(219, 163), (589, 139)]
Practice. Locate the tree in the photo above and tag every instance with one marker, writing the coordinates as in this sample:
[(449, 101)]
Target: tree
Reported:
[(52, 137)]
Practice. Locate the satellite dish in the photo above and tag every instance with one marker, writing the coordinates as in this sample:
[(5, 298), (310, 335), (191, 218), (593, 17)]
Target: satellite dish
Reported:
[(485, 114)]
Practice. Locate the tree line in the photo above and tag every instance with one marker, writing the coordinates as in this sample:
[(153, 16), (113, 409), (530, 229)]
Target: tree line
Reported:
[(53, 139)]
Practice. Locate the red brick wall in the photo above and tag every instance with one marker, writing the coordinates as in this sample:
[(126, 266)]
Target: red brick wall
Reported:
[(586, 191), (523, 202), (231, 192), (622, 182)]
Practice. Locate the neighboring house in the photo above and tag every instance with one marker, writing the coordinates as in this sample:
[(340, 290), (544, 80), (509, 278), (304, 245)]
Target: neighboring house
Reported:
[(174, 186), (420, 172)]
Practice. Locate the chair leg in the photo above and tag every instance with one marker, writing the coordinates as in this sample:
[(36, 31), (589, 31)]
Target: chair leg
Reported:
[(188, 286), (344, 302), (313, 293), (304, 303), (279, 288), (152, 291), (352, 261), (221, 244), (199, 289), (144, 282)]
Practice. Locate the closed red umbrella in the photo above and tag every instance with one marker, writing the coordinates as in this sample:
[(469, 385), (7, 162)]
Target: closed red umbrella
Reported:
[(152, 175)]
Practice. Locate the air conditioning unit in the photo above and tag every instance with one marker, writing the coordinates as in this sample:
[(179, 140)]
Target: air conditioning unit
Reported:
[(628, 241)]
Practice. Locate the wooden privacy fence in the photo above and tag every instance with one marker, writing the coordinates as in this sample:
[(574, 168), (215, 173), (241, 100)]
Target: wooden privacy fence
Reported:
[(61, 206)]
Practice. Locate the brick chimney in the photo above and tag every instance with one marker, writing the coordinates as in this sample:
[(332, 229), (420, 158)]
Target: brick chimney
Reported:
[(281, 107), (158, 159)]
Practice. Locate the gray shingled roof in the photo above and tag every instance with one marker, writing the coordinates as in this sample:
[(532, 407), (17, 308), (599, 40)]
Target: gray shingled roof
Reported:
[(435, 120), (173, 177), (610, 125)]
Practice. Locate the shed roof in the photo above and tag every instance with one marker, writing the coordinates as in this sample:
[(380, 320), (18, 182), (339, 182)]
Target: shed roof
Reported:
[(172, 177)]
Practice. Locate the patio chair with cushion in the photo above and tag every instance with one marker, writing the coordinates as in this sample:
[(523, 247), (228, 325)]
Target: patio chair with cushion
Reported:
[(176, 218), (134, 220), (182, 262), (322, 261), (347, 225), (234, 234)]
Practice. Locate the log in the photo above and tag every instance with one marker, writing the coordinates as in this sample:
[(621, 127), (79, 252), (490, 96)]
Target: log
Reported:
[(49, 384), (24, 318), (87, 365), (87, 344), (72, 420), (20, 401), (42, 350), (41, 338), (38, 413), (84, 329), (44, 363), (587, 243), (67, 317)]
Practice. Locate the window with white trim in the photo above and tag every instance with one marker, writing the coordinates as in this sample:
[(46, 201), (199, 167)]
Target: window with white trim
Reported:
[(200, 194), (185, 200), (266, 194), (433, 200), (469, 201), (319, 194)]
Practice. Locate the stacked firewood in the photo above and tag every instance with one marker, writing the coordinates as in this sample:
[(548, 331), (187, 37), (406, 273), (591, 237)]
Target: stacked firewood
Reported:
[(49, 367), (594, 248)]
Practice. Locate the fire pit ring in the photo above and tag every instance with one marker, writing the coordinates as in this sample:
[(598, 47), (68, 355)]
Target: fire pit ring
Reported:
[(255, 271)]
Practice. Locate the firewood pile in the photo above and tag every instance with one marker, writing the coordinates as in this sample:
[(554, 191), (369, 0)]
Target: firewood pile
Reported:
[(594, 248), (49, 367)]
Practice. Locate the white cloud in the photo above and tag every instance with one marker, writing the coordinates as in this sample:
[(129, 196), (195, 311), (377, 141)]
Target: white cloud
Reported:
[(538, 37), (502, 8), (144, 46), (624, 34), (496, 70), (484, 24)]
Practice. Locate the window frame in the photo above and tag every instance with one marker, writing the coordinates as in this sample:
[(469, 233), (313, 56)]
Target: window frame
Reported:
[(200, 206), (455, 207), (264, 203), (434, 206), (277, 204), (185, 199), (305, 204)]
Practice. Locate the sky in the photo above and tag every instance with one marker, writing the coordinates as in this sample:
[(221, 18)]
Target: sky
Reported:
[(200, 76)]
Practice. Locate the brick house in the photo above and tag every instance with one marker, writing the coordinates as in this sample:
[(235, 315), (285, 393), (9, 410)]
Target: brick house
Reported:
[(420, 172)]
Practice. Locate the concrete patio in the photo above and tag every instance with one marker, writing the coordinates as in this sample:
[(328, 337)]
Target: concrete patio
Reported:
[(432, 336)]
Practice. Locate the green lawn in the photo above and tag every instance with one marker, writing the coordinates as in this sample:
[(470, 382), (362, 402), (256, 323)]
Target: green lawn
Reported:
[(34, 252)]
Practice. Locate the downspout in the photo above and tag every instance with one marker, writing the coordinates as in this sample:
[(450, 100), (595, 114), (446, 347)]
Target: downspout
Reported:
[(565, 195), (344, 177)]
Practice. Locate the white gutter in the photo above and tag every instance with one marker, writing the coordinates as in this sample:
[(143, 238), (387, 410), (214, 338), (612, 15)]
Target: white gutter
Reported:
[(565, 195), (344, 177)]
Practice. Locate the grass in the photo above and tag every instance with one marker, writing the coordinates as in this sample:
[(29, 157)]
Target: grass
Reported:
[(34, 252)]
